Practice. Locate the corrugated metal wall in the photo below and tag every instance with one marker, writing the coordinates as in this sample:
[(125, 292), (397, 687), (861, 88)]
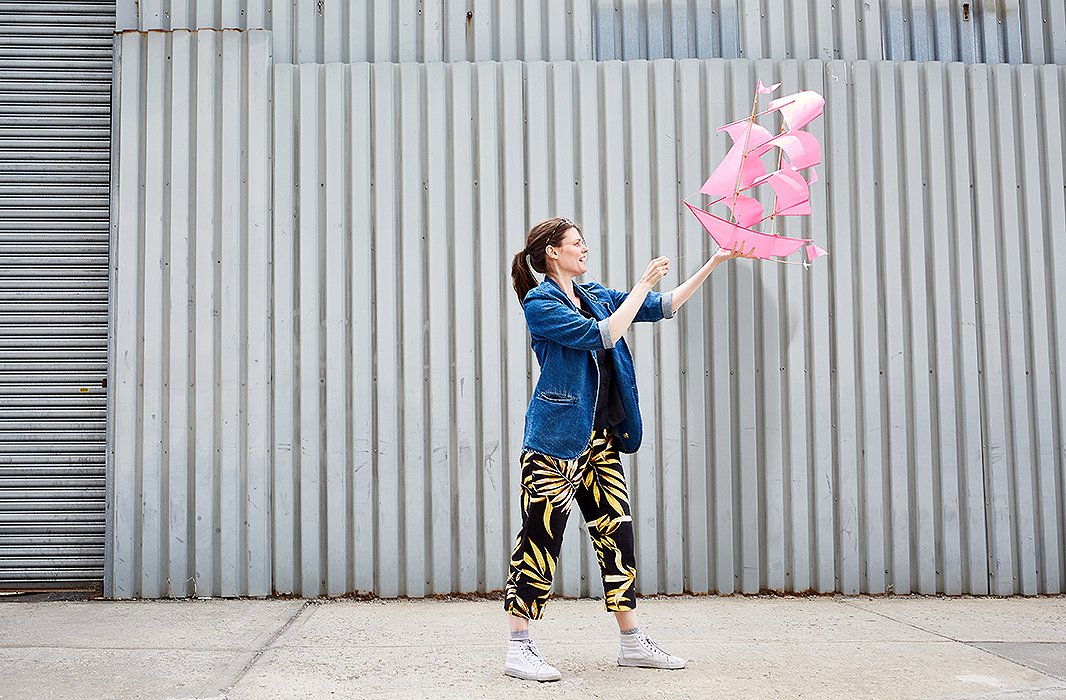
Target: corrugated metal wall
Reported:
[(55, 75), (971, 31), (306, 31), (189, 417), (346, 414)]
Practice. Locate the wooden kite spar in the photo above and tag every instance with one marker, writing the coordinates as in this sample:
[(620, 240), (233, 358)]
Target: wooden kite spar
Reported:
[(742, 170)]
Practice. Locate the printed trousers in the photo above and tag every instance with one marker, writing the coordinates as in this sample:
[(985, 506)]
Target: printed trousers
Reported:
[(550, 487)]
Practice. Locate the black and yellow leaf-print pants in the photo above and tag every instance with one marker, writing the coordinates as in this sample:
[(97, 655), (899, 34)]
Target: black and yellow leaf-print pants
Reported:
[(549, 488)]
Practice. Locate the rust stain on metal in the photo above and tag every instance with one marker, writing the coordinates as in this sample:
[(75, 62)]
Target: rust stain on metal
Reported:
[(147, 32)]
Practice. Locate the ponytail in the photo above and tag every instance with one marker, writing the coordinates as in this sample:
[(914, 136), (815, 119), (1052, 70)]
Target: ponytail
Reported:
[(522, 276), (544, 234)]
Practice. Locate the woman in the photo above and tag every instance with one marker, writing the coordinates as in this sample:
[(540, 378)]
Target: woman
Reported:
[(583, 412)]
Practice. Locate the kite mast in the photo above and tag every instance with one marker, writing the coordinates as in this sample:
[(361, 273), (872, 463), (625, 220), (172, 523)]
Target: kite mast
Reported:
[(747, 140)]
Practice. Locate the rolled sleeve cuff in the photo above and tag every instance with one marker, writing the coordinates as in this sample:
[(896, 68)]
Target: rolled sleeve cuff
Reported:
[(605, 334), (667, 301)]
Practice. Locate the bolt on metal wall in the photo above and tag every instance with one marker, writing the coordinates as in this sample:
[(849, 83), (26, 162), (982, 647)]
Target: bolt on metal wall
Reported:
[(974, 31), (340, 408)]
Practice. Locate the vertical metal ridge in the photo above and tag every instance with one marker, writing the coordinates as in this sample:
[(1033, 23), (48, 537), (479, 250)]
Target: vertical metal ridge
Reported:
[(1014, 334), (282, 357), (121, 470), (478, 447), (425, 264), (402, 244), (908, 193), (932, 79), (180, 552), (409, 323), (165, 318), (447, 336), (258, 374), (978, 89), (1038, 407), (517, 359), (203, 378), (1051, 138), (488, 379), (508, 235), (360, 163), (332, 117), (150, 324)]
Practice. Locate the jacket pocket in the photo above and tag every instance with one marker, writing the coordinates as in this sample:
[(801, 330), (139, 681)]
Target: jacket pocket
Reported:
[(557, 398)]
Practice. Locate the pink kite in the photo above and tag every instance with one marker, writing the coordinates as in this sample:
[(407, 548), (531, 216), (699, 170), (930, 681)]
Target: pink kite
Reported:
[(742, 169)]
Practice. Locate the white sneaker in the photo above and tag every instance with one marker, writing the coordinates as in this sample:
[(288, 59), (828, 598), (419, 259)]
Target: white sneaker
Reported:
[(523, 661), (638, 650)]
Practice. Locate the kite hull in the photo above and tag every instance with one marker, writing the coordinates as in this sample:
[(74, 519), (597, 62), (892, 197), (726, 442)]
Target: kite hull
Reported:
[(729, 235)]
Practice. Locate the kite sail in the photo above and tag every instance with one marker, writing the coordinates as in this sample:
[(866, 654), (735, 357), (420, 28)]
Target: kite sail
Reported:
[(742, 170)]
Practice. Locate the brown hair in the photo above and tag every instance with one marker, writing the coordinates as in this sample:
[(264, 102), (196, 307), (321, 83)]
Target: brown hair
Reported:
[(546, 233)]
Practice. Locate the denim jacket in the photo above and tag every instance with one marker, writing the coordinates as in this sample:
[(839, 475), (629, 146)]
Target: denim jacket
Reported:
[(560, 415)]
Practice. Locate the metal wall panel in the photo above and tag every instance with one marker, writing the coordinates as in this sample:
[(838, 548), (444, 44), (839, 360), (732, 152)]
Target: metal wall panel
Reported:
[(55, 75), (373, 30), (889, 421), (970, 31), (189, 429)]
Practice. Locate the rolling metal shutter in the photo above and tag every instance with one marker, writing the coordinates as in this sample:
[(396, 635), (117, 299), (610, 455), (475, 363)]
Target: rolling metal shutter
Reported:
[(55, 100)]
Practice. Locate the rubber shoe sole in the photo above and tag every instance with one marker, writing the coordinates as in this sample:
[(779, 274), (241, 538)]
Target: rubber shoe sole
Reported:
[(634, 663), (514, 673)]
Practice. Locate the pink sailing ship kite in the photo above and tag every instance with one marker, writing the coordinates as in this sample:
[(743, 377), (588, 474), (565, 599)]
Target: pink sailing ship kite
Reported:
[(742, 170)]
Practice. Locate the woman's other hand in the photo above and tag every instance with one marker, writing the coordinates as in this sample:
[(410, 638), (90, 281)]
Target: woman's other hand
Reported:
[(657, 269), (724, 254)]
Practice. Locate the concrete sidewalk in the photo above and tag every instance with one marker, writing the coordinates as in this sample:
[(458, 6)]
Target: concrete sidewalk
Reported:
[(738, 647)]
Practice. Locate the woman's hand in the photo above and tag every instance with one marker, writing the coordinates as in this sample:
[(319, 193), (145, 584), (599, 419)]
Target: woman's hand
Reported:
[(723, 254), (657, 269), (685, 290), (623, 316)]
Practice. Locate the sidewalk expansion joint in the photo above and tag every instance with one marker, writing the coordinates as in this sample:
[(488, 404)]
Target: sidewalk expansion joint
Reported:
[(262, 649), (972, 645)]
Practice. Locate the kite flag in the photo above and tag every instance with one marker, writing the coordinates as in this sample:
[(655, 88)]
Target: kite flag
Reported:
[(742, 170), (814, 251)]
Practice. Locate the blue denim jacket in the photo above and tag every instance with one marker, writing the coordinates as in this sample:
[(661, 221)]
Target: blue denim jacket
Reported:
[(561, 413)]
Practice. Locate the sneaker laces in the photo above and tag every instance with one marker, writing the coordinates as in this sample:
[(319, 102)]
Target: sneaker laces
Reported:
[(647, 643), (531, 653)]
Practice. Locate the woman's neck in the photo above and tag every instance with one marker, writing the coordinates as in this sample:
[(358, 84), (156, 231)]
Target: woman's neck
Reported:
[(566, 283)]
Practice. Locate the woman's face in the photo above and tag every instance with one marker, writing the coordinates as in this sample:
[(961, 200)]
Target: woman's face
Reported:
[(571, 254)]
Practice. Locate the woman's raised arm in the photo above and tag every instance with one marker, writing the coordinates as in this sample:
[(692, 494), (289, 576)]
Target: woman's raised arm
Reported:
[(684, 291)]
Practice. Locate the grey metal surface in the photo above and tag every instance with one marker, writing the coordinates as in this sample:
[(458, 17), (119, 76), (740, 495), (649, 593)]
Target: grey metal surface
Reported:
[(55, 75), (189, 420), (970, 31), (306, 31), (339, 407)]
